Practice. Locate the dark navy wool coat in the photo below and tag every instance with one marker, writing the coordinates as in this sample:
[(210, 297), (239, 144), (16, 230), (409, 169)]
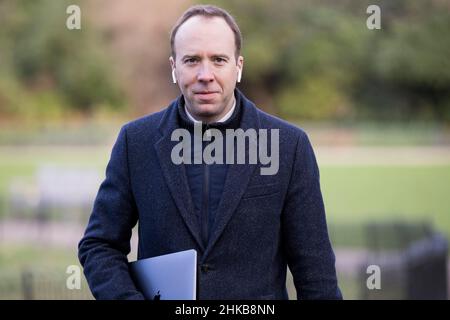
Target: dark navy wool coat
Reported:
[(263, 223)]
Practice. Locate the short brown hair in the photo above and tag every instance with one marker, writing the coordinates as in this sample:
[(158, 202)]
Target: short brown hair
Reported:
[(208, 11)]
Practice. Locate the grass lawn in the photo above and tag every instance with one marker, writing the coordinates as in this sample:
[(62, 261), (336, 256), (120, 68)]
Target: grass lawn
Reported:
[(352, 194), (360, 194)]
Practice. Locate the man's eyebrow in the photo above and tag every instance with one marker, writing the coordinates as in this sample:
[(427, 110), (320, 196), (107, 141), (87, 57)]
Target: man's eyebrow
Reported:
[(222, 55), (189, 56)]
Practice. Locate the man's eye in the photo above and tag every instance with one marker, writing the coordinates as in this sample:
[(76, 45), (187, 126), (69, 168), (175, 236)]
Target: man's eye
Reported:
[(219, 60), (190, 61)]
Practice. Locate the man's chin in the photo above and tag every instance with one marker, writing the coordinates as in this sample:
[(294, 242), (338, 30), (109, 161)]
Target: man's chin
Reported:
[(206, 110)]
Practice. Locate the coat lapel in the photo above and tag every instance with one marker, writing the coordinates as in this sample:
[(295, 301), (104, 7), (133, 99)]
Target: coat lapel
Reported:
[(237, 179), (236, 183), (175, 175)]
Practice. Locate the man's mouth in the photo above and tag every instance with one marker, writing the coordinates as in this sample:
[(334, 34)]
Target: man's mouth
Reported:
[(205, 94)]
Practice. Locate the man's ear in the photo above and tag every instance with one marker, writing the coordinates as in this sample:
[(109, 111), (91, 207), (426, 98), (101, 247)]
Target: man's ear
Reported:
[(240, 67), (172, 64)]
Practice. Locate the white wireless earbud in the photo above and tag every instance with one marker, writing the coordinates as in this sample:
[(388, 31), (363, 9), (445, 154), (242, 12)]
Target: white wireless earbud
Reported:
[(174, 79), (239, 76)]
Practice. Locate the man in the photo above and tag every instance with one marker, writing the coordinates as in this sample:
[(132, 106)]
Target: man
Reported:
[(246, 224)]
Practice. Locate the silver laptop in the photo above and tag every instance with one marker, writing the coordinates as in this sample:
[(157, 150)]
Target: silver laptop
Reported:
[(168, 277)]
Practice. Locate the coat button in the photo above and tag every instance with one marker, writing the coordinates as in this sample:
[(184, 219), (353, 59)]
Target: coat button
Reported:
[(205, 267)]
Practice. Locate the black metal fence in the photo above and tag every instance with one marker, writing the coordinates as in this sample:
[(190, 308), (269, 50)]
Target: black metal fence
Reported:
[(411, 260), (40, 285)]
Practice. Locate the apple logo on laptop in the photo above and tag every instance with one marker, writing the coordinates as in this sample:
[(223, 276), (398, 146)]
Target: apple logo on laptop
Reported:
[(157, 296)]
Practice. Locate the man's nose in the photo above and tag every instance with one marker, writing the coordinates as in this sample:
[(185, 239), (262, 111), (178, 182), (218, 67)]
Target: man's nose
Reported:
[(205, 74)]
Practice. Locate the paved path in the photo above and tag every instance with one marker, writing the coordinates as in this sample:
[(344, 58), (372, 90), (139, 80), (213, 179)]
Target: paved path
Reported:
[(394, 155)]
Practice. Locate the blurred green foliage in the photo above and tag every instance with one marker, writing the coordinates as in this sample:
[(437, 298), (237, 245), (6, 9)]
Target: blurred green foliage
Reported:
[(305, 60), (47, 69), (320, 61)]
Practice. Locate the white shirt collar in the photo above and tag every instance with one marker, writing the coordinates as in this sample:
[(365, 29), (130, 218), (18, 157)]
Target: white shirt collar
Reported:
[(223, 119)]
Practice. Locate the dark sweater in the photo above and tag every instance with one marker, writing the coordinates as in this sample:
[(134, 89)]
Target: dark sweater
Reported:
[(206, 181)]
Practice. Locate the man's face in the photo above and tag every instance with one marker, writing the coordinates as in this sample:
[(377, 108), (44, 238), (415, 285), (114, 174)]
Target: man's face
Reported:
[(205, 67)]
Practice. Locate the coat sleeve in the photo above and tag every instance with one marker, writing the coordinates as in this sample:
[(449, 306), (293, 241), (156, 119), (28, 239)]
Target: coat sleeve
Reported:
[(106, 243), (308, 249)]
